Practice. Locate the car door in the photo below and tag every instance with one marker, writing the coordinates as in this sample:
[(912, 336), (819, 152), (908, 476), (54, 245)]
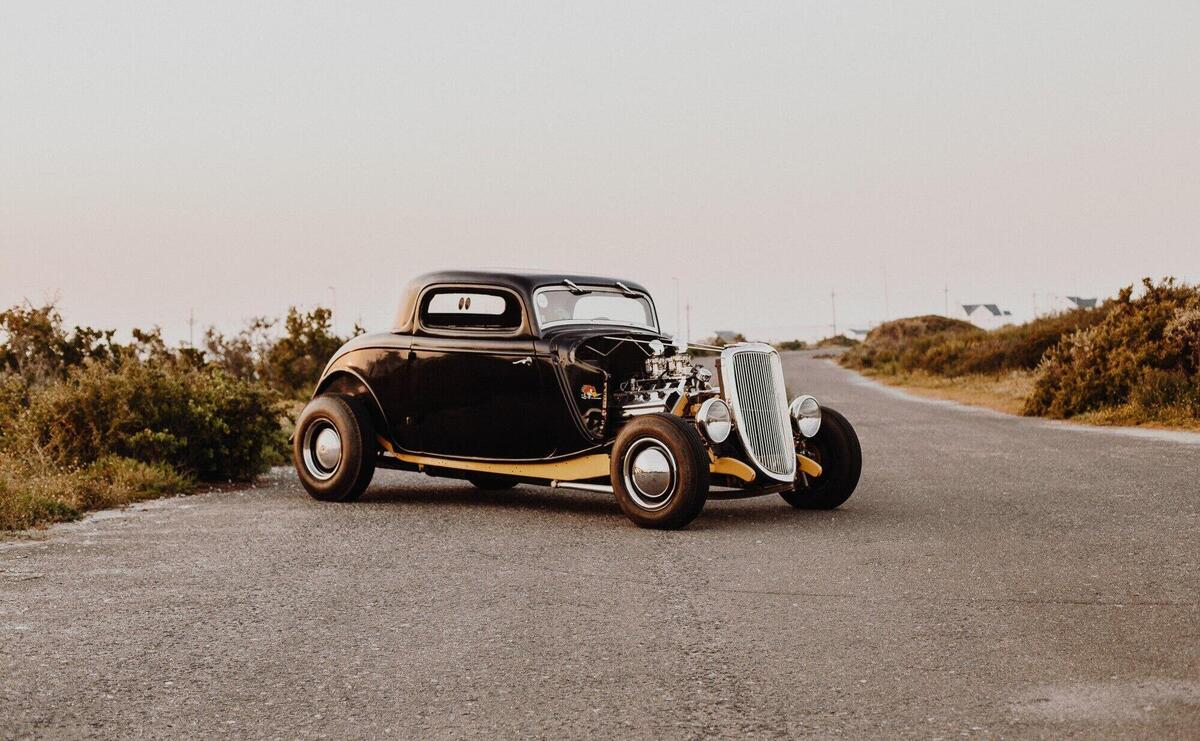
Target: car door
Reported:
[(477, 391)]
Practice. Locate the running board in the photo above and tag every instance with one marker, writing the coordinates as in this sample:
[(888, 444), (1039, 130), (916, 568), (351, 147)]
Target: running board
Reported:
[(582, 467), (606, 488)]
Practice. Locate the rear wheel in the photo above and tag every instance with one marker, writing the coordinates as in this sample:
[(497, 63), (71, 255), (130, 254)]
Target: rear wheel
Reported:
[(835, 447), (660, 471), (334, 448)]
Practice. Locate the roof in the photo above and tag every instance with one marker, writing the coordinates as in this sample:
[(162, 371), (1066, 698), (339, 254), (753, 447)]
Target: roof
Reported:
[(524, 282)]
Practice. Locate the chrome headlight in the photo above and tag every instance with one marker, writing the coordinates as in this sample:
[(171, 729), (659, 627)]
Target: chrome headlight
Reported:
[(807, 413), (715, 420)]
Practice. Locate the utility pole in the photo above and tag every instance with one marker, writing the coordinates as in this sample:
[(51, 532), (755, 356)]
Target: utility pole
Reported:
[(1035, 304), (688, 337), (946, 301), (191, 327), (833, 303)]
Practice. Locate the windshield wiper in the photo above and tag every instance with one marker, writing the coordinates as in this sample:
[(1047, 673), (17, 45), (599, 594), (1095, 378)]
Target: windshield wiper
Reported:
[(574, 288), (627, 290)]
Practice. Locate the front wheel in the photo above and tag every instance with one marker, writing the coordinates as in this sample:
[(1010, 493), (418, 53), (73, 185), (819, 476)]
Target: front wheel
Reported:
[(835, 447), (660, 471), (334, 448)]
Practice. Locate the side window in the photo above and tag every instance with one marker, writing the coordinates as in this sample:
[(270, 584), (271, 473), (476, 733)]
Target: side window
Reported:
[(471, 308)]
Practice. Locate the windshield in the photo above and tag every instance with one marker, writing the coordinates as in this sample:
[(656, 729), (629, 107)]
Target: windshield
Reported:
[(556, 306)]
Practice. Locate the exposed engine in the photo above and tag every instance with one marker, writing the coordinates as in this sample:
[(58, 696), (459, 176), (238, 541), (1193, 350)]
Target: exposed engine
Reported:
[(663, 376), (639, 377)]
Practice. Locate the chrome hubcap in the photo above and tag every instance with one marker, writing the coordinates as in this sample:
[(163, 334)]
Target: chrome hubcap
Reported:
[(322, 449), (329, 448), (650, 474)]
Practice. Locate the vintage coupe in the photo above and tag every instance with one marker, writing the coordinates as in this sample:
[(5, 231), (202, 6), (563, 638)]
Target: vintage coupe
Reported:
[(568, 381)]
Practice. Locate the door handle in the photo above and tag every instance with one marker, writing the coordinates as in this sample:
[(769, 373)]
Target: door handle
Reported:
[(523, 361)]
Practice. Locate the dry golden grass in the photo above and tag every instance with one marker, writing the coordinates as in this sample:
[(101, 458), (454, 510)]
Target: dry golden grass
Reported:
[(1004, 393), (34, 493), (1007, 393), (1132, 415)]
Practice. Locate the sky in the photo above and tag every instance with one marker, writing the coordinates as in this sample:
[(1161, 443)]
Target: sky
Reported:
[(775, 161)]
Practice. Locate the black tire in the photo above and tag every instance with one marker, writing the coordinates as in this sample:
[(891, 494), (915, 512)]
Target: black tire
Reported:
[(491, 481), (836, 448), (346, 480), (679, 445)]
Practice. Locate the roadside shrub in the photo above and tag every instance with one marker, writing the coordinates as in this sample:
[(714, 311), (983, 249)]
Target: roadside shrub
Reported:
[(244, 354), (951, 347), (293, 364), (199, 421), (904, 343), (35, 345), (837, 340), (1166, 389), (87, 422), (13, 391), (1144, 351), (1009, 348), (1183, 334), (787, 345)]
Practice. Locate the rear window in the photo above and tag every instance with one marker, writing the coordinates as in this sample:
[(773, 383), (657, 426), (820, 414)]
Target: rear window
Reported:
[(470, 308)]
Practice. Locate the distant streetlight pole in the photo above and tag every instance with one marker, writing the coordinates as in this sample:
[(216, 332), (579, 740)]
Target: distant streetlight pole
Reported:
[(333, 309)]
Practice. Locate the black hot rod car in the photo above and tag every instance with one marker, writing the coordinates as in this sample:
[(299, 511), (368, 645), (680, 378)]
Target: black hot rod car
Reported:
[(566, 381)]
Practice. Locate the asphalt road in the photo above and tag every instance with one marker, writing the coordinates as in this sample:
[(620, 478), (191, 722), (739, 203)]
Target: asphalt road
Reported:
[(992, 576)]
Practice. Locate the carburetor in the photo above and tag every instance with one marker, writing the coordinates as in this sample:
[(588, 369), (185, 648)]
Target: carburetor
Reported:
[(674, 366)]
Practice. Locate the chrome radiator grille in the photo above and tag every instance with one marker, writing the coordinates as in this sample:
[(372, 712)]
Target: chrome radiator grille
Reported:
[(752, 377)]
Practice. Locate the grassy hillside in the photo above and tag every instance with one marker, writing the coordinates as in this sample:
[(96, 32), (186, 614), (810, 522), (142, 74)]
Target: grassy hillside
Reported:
[(1133, 360)]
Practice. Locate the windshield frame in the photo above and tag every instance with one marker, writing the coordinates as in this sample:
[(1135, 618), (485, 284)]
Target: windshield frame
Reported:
[(535, 315)]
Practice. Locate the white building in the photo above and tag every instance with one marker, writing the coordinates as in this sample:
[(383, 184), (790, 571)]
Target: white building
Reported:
[(986, 316)]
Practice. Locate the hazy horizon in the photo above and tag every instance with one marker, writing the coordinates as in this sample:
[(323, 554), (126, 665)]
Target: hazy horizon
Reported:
[(236, 159)]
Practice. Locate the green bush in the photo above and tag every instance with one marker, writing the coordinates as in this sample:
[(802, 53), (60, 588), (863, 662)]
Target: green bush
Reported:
[(199, 421), (1145, 350), (86, 422), (294, 363), (35, 345)]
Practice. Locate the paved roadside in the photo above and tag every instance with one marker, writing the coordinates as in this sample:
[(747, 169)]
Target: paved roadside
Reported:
[(993, 576)]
